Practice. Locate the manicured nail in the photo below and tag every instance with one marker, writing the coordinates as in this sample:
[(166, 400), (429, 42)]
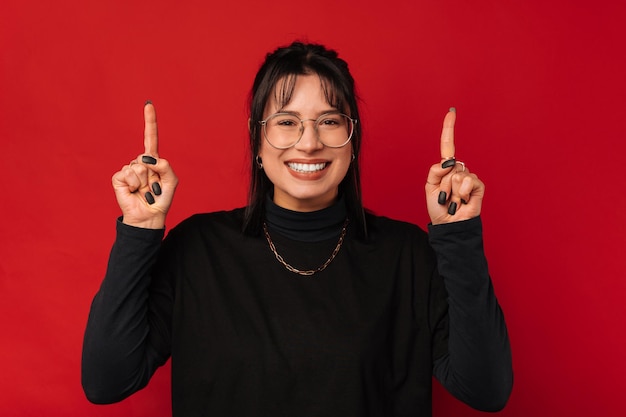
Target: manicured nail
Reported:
[(149, 198), (463, 201), (446, 164), (147, 102), (156, 188), (453, 109), (148, 160), (452, 208), (442, 198)]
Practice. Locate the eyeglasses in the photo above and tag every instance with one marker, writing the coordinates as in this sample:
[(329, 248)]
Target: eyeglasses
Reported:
[(284, 130)]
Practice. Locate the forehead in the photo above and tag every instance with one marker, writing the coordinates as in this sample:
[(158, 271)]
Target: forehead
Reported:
[(309, 86)]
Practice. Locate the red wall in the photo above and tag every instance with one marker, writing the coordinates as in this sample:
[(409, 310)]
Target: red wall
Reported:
[(540, 92)]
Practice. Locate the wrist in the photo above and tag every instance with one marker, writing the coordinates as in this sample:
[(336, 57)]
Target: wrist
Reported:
[(152, 223)]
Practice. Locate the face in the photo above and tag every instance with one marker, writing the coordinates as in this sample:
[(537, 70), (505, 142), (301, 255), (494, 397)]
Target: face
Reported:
[(306, 176)]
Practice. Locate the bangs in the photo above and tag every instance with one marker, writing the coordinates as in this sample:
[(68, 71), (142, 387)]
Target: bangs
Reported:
[(332, 93)]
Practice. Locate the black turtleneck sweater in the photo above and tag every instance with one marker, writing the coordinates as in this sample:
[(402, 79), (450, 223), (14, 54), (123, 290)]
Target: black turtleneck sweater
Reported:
[(247, 337)]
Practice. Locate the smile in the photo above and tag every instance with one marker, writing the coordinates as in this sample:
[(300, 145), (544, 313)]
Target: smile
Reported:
[(306, 167)]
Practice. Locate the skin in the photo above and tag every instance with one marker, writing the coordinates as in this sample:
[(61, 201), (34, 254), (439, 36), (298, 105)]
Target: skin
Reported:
[(301, 192)]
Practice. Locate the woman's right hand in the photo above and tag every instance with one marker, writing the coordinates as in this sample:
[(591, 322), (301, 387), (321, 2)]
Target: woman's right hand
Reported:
[(145, 188)]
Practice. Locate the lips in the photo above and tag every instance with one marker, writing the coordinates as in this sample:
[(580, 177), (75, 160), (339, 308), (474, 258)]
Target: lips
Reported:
[(306, 168)]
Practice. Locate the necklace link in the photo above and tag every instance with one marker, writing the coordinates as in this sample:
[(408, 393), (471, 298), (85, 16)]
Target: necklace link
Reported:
[(307, 272)]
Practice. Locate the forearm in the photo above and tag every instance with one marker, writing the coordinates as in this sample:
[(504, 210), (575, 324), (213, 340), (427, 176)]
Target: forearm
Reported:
[(118, 356), (477, 368)]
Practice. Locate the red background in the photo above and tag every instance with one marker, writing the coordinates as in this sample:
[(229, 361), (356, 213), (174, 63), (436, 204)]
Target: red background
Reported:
[(540, 92)]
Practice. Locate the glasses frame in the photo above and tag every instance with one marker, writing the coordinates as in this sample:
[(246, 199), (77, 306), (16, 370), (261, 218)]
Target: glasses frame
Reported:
[(315, 124)]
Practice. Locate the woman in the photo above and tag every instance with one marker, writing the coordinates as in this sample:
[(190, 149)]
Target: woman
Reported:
[(301, 303)]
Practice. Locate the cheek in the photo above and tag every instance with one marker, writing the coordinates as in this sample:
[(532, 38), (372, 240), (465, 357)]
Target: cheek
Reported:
[(271, 160), (266, 151), (346, 154), (343, 161)]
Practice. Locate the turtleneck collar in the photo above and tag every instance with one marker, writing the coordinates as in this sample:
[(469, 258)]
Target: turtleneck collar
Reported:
[(313, 226)]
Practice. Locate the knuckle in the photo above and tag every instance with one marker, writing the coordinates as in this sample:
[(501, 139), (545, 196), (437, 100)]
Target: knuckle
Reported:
[(139, 169)]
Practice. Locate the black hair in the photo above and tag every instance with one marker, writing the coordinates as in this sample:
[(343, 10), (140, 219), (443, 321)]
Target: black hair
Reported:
[(284, 65)]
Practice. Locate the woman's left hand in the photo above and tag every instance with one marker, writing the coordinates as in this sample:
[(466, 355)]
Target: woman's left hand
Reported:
[(452, 192)]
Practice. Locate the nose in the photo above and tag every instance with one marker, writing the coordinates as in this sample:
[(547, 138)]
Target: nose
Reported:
[(309, 141)]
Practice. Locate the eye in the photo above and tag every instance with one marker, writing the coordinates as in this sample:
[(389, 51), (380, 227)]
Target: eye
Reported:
[(285, 122), (332, 120)]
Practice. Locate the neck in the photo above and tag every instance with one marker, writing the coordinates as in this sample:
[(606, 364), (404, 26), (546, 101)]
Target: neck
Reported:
[(305, 205), (310, 226)]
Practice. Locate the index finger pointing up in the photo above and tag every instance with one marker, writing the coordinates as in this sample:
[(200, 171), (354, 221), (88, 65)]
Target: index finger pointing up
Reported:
[(447, 135), (150, 137)]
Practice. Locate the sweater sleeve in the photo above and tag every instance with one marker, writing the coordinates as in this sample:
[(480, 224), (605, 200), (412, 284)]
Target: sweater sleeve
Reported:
[(124, 342), (477, 367)]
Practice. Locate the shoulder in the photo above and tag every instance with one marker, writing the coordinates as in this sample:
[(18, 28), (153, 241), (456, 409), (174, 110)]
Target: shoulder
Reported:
[(396, 235), (220, 222), (382, 226), (396, 243)]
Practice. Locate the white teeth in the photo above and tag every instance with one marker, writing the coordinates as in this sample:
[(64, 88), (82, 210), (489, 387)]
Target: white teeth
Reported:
[(306, 167)]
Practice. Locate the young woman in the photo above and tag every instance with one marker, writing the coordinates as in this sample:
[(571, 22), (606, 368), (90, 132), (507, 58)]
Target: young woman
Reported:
[(301, 303)]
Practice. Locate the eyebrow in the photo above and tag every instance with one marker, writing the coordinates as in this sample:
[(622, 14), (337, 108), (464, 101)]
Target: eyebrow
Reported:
[(297, 113)]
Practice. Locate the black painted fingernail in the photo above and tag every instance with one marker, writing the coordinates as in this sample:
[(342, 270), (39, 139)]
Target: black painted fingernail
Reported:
[(453, 109), (452, 208), (149, 198), (448, 163), (463, 201), (148, 160), (442, 197), (156, 188), (147, 102)]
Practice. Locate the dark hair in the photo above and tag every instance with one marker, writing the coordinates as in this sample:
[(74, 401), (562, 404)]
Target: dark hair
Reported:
[(284, 65)]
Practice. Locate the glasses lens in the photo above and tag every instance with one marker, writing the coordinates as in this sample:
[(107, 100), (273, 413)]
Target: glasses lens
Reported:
[(334, 129), (282, 130)]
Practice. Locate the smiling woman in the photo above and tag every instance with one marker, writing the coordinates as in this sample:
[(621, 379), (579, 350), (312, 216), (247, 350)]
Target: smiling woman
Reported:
[(301, 303), (327, 79)]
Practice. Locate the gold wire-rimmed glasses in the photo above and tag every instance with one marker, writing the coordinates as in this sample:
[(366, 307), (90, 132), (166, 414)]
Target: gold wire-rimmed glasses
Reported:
[(284, 130)]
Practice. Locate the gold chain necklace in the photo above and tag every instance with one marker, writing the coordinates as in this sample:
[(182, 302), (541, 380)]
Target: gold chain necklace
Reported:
[(308, 272)]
